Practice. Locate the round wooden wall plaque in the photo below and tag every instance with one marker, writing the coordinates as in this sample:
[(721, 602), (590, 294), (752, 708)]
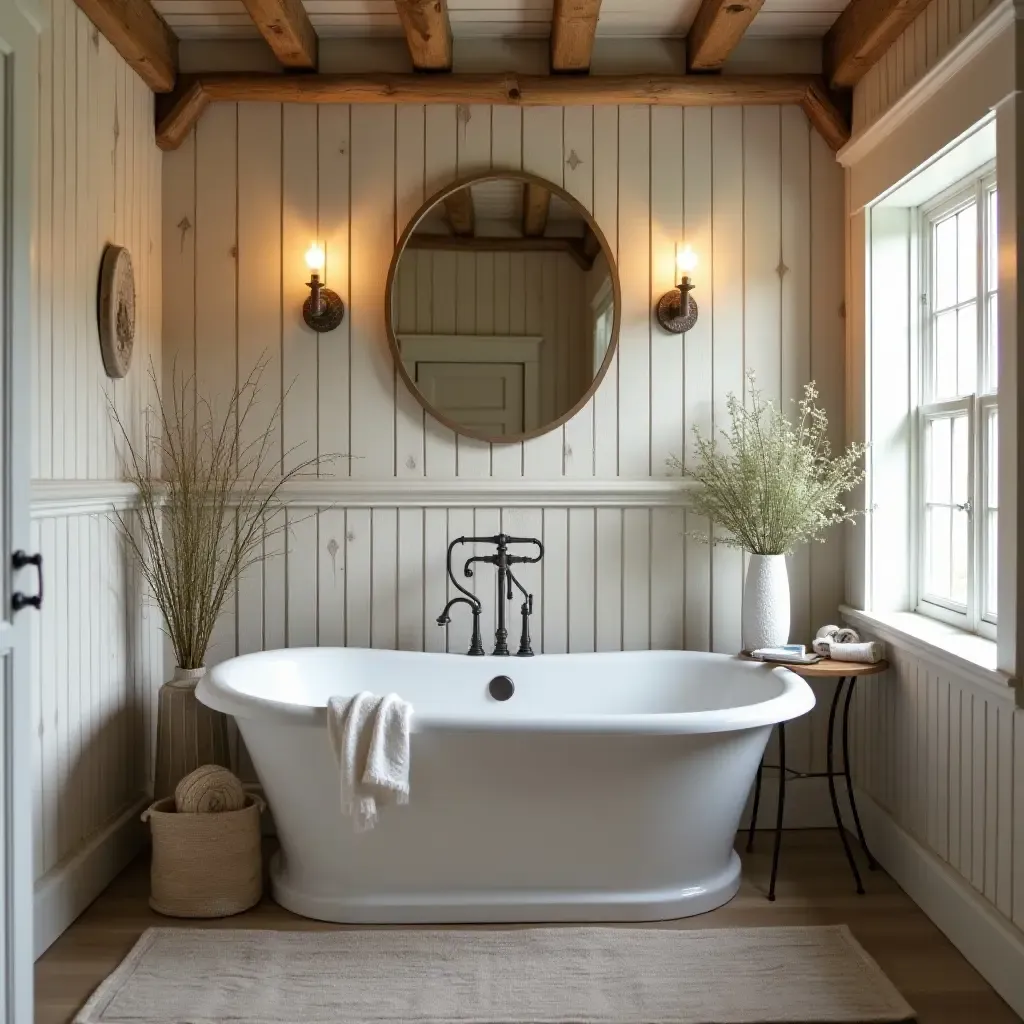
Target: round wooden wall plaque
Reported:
[(117, 310)]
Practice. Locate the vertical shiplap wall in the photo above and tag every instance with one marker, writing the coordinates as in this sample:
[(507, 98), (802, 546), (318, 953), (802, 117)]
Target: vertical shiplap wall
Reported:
[(932, 34), (98, 651), (755, 191)]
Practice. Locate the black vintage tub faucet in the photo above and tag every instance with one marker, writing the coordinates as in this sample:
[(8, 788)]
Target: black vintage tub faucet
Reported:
[(504, 561)]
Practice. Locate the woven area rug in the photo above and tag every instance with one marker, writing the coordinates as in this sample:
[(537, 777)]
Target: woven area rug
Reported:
[(517, 976)]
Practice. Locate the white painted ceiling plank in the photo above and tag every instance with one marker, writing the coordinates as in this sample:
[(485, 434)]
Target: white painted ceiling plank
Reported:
[(625, 19)]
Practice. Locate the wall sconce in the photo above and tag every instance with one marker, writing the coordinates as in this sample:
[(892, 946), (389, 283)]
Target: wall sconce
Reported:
[(676, 310), (323, 310)]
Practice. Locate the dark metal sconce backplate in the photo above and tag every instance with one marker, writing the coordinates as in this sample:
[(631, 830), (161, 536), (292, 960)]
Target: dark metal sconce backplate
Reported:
[(332, 311), (670, 314)]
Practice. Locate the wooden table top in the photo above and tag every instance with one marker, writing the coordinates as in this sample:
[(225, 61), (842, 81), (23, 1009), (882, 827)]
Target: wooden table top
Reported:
[(829, 669)]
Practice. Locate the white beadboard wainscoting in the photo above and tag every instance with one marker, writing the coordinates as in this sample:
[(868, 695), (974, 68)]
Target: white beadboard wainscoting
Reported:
[(97, 662), (98, 652), (939, 754)]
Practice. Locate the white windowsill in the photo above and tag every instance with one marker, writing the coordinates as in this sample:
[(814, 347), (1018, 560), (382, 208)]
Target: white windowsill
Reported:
[(952, 649)]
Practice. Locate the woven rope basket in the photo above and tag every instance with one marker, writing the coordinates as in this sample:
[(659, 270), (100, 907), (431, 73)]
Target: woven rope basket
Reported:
[(205, 865)]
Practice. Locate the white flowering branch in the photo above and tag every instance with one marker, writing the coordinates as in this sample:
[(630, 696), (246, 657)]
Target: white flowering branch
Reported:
[(777, 484)]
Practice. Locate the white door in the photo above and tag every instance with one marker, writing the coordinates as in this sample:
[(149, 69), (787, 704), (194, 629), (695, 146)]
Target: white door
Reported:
[(18, 586), (487, 397)]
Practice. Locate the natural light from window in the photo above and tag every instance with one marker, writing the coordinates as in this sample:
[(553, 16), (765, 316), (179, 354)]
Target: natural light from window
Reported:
[(957, 422)]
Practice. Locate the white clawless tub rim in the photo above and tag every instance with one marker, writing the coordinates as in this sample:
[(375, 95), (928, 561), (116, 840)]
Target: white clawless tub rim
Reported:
[(220, 690)]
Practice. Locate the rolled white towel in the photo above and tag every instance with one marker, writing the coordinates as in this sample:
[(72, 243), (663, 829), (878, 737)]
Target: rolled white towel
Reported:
[(370, 737), (838, 634), (866, 653)]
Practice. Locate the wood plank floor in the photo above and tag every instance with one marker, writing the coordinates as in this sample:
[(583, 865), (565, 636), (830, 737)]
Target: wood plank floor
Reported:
[(814, 888)]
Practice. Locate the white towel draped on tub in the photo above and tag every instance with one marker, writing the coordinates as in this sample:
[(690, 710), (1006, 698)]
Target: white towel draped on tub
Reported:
[(370, 736)]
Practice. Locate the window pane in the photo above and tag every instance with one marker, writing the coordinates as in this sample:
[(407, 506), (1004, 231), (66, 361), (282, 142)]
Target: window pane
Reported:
[(967, 350), (993, 243), (958, 570), (937, 548), (945, 263), (960, 451), (991, 458), (967, 253), (945, 355), (992, 384), (939, 447), (991, 565)]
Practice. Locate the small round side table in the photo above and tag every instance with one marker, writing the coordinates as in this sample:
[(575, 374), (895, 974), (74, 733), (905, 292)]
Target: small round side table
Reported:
[(847, 672)]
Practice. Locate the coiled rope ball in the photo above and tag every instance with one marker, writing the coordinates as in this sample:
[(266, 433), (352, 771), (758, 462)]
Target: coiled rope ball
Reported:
[(210, 789)]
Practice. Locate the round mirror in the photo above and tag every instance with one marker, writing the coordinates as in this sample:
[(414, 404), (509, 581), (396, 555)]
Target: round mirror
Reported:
[(502, 306)]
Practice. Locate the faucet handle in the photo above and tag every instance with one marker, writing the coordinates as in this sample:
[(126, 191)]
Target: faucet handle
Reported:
[(525, 648)]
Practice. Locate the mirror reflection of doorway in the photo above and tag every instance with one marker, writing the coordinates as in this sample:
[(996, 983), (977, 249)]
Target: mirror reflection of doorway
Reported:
[(483, 396), (480, 381)]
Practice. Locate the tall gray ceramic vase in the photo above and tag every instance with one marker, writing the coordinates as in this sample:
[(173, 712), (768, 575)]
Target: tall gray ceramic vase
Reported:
[(188, 733)]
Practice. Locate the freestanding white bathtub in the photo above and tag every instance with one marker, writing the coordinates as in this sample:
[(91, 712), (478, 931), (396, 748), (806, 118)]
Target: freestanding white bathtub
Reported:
[(609, 787)]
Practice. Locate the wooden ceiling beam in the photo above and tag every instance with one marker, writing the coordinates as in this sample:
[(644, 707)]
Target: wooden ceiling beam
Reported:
[(459, 212), (717, 28), (286, 27), (536, 204), (861, 34), (808, 91), (428, 33), (573, 25), (140, 36)]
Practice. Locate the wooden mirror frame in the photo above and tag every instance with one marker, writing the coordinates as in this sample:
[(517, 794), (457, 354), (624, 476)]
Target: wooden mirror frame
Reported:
[(396, 352)]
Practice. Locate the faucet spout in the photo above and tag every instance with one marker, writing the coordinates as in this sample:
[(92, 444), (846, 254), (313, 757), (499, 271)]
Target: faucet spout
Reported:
[(476, 647)]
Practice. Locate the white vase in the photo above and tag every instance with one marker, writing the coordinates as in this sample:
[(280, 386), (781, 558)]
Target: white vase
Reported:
[(765, 603)]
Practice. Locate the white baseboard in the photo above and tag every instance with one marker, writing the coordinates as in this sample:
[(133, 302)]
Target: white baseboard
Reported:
[(70, 886), (992, 944)]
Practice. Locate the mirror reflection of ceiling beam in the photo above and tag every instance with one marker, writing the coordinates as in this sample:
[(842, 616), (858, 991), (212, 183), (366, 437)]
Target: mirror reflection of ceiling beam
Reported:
[(573, 248), (591, 246), (428, 33), (573, 24), (536, 203), (459, 212)]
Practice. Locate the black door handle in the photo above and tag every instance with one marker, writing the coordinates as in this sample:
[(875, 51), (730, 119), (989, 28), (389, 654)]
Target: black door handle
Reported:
[(19, 600)]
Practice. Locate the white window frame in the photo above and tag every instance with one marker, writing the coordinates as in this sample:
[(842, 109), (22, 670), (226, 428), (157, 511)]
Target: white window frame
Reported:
[(972, 616)]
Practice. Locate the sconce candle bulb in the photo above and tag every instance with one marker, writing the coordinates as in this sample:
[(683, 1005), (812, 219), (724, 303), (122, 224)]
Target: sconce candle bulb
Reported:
[(686, 259), (676, 310), (323, 310), (315, 258)]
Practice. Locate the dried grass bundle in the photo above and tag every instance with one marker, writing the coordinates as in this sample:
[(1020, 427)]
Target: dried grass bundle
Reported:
[(204, 496), (774, 484)]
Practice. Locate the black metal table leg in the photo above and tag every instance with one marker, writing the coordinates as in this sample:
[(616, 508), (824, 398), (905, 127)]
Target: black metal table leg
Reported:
[(872, 864), (753, 810), (780, 813), (830, 770)]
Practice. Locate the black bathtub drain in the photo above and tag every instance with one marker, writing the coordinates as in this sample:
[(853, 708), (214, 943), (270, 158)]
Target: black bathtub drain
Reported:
[(501, 688)]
